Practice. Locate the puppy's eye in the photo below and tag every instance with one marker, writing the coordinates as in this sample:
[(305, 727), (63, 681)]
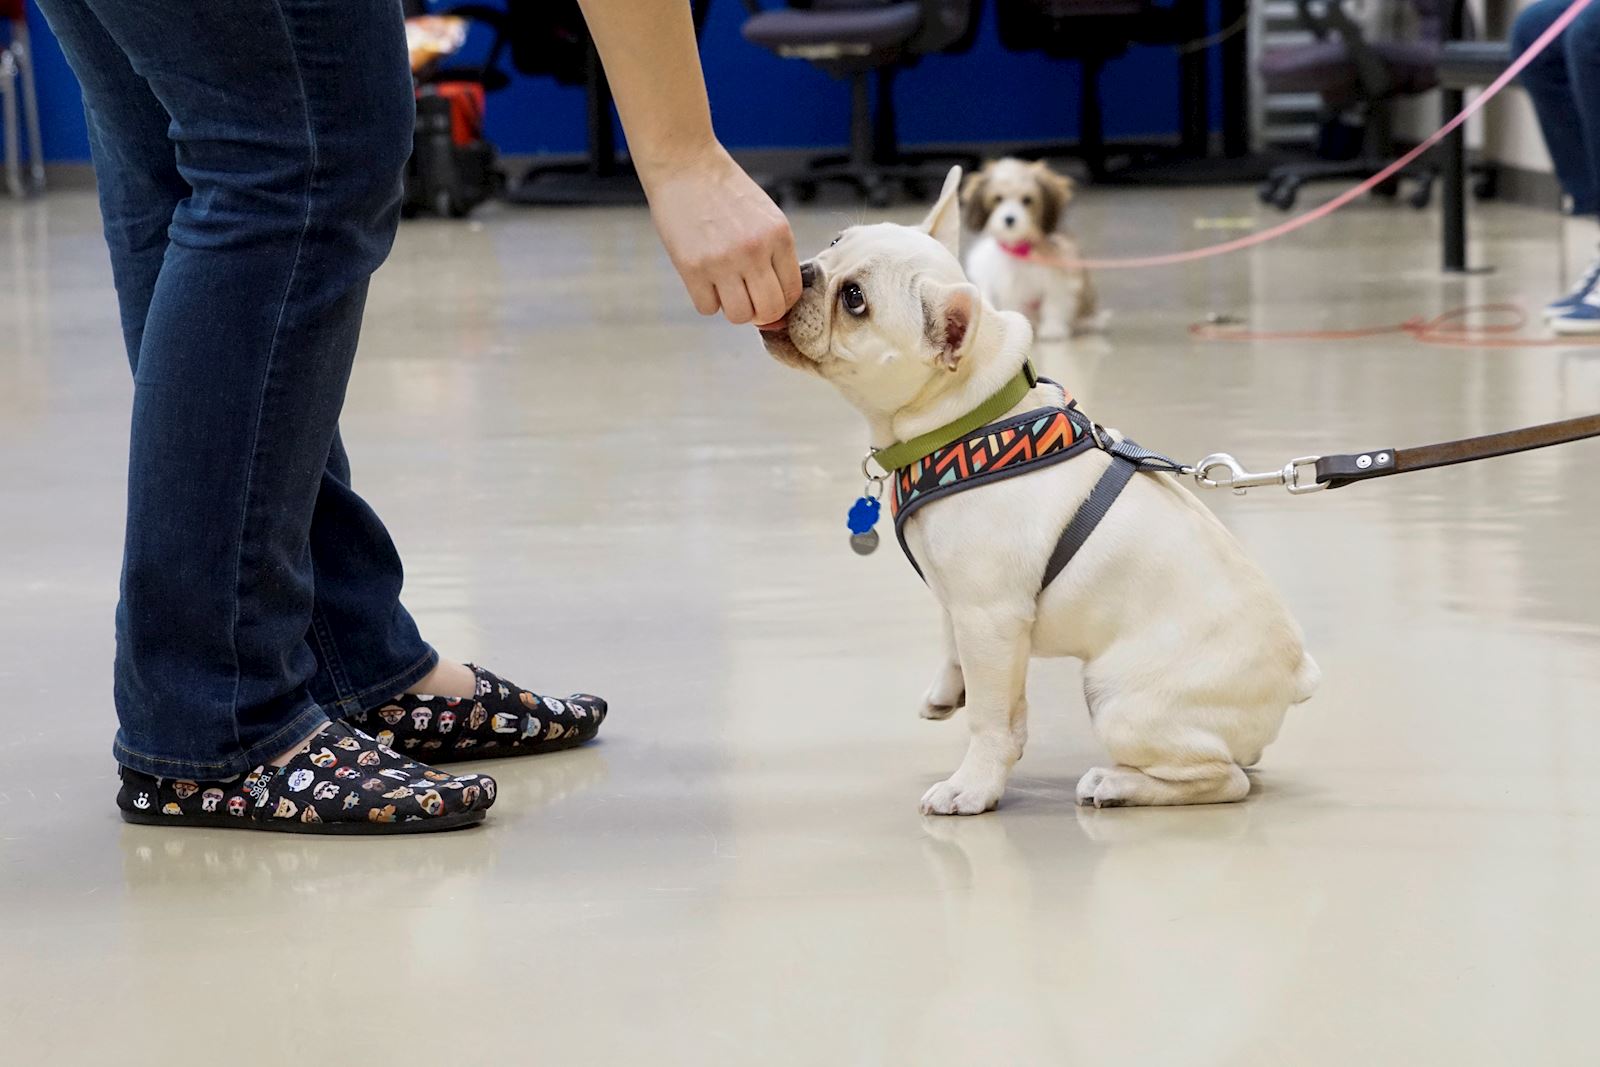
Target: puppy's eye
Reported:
[(835, 239), (1027, 199), (853, 299)]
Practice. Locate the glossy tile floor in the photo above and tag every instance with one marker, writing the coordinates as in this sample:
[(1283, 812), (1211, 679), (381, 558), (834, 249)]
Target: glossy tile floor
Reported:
[(596, 488)]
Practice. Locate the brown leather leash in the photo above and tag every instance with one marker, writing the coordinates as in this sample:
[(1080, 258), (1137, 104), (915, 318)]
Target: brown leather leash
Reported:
[(1310, 474)]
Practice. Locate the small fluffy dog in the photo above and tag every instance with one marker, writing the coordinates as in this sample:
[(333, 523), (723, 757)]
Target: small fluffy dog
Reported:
[(1021, 260), (1190, 658)]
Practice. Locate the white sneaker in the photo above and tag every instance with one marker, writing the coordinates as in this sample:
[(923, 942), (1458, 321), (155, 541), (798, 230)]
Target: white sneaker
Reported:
[(1566, 304), (1583, 317)]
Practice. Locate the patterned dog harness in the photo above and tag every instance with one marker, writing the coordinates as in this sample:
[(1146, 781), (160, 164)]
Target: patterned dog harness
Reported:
[(1017, 445)]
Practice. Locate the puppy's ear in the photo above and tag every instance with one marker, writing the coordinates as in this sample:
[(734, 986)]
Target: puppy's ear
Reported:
[(974, 212), (944, 221), (950, 316), (1055, 193)]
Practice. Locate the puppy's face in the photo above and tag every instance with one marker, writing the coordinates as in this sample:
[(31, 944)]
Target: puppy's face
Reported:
[(1015, 202), (884, 308)]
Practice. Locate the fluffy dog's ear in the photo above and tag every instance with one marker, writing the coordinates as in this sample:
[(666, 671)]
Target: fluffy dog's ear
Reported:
[(974, 212), (1055, 193), (950, 320), (944, 221)]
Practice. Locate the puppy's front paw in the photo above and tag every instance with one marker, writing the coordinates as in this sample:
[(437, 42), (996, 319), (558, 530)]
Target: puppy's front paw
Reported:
[(1101, 788), (952, 797)]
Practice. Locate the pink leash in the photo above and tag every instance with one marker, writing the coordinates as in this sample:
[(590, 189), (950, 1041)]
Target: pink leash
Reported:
[(1297, 222)]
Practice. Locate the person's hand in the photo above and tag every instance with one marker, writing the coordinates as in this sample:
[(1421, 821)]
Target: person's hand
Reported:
[(729, 242)]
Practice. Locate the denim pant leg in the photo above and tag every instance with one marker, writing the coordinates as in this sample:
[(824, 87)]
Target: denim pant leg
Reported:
[(136, 170), (1556, 81), (290, 122), (367, 646), (1581, 45)]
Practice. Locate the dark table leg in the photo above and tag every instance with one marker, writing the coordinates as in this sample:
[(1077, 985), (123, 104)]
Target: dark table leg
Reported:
[(1234, 55), (1453, 176)]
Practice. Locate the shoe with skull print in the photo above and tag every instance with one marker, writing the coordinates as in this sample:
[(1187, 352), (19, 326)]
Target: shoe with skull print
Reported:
[(339, 782), (502, 720)]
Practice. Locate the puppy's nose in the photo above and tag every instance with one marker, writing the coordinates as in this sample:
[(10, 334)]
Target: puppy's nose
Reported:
[(808, 274), (1009, 220)]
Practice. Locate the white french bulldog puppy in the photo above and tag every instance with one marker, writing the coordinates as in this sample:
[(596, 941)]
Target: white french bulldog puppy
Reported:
[(1190, 658)]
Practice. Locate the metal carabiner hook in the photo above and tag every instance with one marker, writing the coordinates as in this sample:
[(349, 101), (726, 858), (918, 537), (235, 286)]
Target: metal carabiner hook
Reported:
[(1239, 479)]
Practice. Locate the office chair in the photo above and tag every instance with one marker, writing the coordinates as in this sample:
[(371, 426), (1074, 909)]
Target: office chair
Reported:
[(16, 78), (1094, 32), (1351, 73), (866, 41)]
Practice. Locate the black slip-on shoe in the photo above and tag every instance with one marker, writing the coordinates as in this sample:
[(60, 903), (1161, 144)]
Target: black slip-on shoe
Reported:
[(501, 720), (339, 782)]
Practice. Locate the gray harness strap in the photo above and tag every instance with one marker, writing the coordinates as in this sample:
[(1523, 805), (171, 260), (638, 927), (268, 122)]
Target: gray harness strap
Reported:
[(1127, 459)]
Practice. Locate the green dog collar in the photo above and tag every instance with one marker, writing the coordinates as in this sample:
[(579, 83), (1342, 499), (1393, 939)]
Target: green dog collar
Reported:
[(904, 454)]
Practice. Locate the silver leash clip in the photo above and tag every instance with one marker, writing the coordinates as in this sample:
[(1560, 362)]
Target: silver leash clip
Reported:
[(1238, 479)]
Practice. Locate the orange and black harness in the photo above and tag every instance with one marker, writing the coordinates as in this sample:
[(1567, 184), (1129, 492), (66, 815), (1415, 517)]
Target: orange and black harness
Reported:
[(1012, 446)]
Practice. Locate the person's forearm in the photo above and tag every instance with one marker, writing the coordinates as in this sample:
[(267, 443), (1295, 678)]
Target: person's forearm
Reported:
[(653, 64)]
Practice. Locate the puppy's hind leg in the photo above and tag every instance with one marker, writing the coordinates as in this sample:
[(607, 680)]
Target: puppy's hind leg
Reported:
[(1202, 783), (948, 690), (1058, 306), (994, 652)]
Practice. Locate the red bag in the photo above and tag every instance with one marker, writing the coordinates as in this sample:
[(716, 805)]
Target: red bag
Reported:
[(466, 110)]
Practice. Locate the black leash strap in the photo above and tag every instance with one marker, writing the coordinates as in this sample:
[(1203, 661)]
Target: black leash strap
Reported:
[(1336, 471)]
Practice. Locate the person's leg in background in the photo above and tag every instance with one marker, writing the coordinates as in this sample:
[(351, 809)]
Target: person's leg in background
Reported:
[(1580, 48), (1563, 82)]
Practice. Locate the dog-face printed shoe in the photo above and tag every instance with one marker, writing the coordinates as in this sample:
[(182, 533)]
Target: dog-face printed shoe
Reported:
[(339, 782), (502, 720)]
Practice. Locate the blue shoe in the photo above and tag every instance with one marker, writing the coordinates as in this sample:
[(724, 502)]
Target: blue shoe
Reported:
[(1568, 304), (1583, 317)]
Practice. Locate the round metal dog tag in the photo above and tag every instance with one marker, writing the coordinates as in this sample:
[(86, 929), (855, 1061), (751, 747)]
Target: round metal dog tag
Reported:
[(865, 544)]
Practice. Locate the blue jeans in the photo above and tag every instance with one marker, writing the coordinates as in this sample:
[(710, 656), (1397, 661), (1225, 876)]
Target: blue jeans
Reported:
[(1564, 83), (249, 157)]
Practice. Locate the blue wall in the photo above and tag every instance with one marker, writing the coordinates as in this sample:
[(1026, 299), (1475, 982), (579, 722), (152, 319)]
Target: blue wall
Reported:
[(759, 100)]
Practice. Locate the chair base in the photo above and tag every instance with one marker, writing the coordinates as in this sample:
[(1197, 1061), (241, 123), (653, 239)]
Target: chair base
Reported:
[(1282, 185), (879, 184), (875, 167)]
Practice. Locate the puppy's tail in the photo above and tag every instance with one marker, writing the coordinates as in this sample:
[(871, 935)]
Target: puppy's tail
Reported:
[(1306, 679)]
